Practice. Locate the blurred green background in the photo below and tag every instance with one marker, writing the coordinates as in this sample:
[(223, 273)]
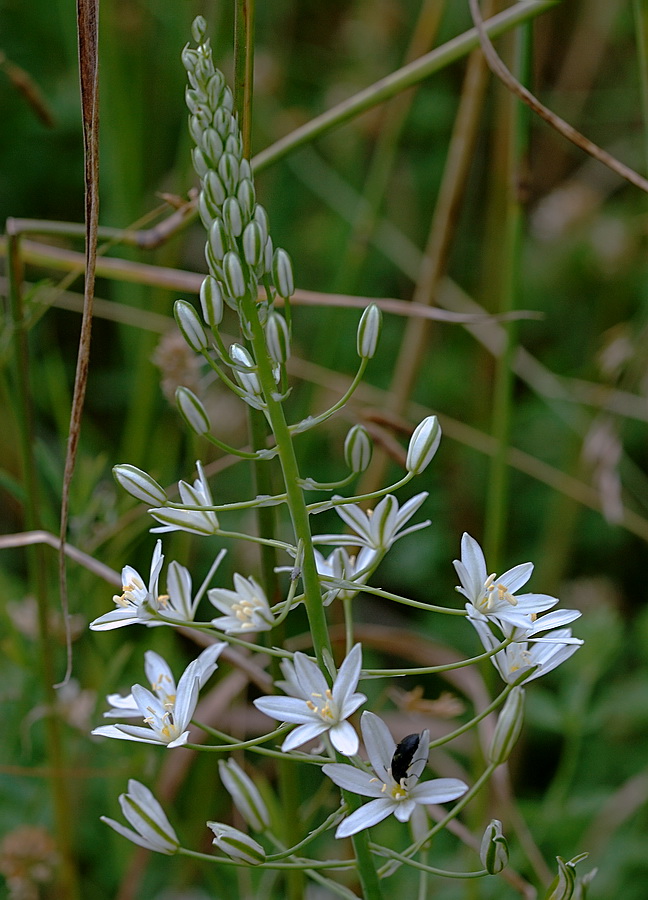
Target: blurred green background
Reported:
[(532, 224)]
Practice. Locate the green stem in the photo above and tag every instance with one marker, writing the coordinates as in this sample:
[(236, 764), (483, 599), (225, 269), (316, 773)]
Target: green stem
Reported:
[(400, 80)]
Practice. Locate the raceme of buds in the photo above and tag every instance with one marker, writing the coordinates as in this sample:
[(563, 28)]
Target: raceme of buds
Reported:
[(357, 448), (282, 274), (236, 844), (192, 411), (211, 300), (423, 445), (277, 337), (509, 725), (494, 852), (244, 793), (140, 485), (369, 329), (190, 325)]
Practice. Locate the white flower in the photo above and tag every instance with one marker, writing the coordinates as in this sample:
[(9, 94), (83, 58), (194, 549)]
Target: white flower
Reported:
[(167, 709), (137, 602), (144, 605), (246, 607), (377, 528), (152, 828), (314, 706), (192, 520), (340, 566), (391, 796), (545, 653), (492, 596)]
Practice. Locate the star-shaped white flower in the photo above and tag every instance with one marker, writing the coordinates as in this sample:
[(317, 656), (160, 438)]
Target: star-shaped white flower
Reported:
[(399, 798), (141, 604), (246, 608), (314, 706), (539, 653), (339, 565), (377, 528), (152, 828), (166, 709), (138, 601), (493, 596), (196, 521)]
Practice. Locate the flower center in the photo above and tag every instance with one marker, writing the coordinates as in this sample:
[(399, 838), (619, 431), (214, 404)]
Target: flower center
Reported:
[(323, 706), (245, 612), (496, 593)]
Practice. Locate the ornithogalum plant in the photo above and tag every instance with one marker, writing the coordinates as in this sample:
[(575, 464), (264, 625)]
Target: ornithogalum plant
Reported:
[(318, 699)]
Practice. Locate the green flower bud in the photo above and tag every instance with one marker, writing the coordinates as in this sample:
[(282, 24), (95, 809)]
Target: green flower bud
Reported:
[(234, 145), (233, 275), (212, 145), (252, 244), (189, 58), (190, 325), (199, 162), (192, 99), (245, 170), (211, 300), (277, 337), (268, 256), (227, 101), (195, 130), (244, 371), (357, 448), (236, 844), (140, 485), (218, 239), (423, 445), (494, 852), (282, 274), (207, 210), (369, 331), (199, 29), (228, 169), (232, 217), (566, 885), (244, 793), (215, 190), (509, 725), (246, 198), (192, 411), (215, 88)]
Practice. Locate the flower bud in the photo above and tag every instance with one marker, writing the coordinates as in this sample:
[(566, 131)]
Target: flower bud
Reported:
[(218, 239), (252, 244), (268, 255), (199, 29), (245, 170), (199, 162), (211, 300), (423, 445), (214, 188), (215, 87), (494, 852), (562, 887), (211, 145), (139, 484), (509, 725), (369, 331), (196, 130), (234, 145), (244, 371), (244, 793), (228, 169), (246, 198), (189, 58), (190, 325), (232, 217), (282, 273), (233, 275), (192, 99), (236, 844), (277, 337), (261, 218), (357, 448), (192, 411), (206, 208)]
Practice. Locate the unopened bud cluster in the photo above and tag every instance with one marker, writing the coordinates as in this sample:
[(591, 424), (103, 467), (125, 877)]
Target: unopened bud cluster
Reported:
[(239, 250)]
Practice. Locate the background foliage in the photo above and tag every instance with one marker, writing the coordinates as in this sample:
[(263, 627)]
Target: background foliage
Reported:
[(576, 497)]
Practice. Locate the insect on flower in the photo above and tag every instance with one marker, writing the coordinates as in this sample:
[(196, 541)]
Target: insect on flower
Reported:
[(404, 756)]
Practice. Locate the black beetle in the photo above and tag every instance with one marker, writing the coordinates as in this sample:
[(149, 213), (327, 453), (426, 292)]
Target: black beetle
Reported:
[(403, 756)]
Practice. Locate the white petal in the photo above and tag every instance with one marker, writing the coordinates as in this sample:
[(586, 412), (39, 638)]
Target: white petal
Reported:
[(472, 558), (358, 781), (159, 674), (344, 738), (347, 678), (439, 790), (116, 618), (286, 709), (136, 838), (379, 743), (368, 815), (404, 809), (128, 733), (309, 676), (517, 576), (302, 734)]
